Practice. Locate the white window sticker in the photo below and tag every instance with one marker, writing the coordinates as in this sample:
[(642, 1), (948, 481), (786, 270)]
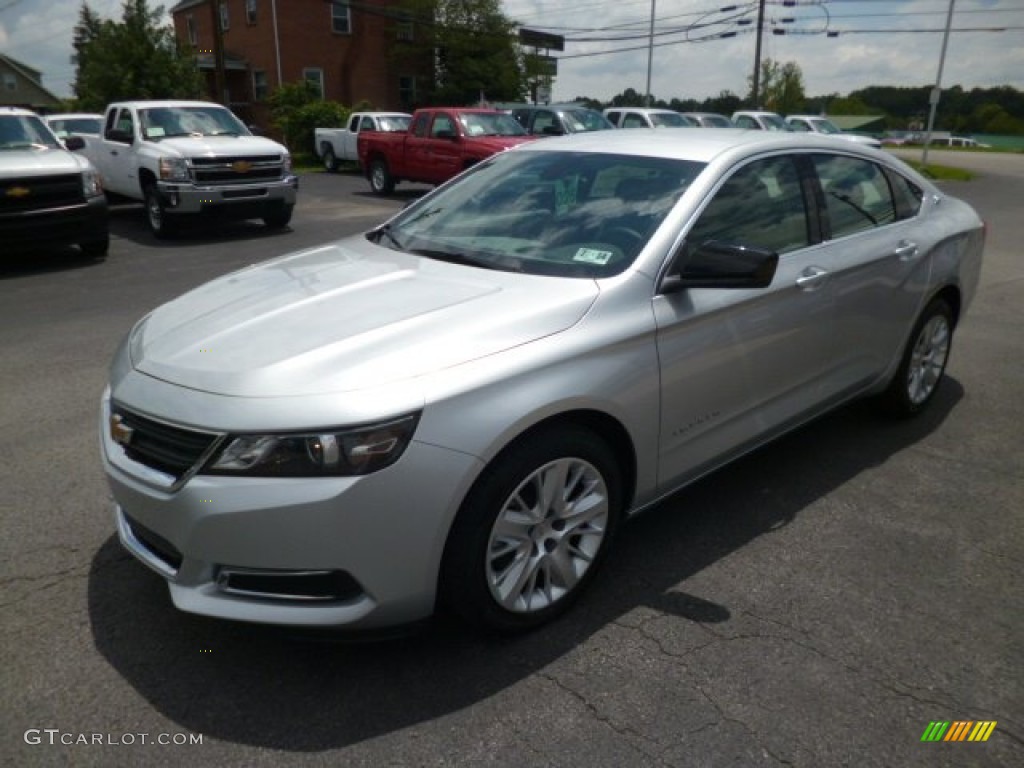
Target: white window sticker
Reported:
[(593, 256)]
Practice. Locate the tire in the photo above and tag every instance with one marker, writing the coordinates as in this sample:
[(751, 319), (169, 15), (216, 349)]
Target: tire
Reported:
[(381, 181), (278, 217), (329, 160), (95, 249), (160, 224), (924, 362), (510, 566)]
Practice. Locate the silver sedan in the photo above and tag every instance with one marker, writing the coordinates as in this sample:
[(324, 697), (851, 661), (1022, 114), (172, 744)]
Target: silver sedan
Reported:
[(457, 409)]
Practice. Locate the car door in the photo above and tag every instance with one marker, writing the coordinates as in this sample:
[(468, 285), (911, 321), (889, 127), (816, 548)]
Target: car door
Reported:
[(874, 253), (739, 365)]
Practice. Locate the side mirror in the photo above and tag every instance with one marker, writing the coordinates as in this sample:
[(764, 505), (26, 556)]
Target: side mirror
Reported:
[(255, 130), (716, 264), (74, 142)]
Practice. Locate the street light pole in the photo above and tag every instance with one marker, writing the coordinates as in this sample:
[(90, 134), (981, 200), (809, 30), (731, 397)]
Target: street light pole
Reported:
[(933, 98)]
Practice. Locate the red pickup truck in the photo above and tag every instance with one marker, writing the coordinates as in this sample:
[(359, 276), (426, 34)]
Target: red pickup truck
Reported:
[(441, 142)]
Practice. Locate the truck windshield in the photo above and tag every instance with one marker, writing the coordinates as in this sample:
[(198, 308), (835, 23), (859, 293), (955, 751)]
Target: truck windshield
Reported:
[(165, 122), (25, 132), (490, 124)]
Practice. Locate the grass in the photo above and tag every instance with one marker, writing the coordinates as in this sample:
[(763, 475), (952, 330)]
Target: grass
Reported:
[(940, 172)]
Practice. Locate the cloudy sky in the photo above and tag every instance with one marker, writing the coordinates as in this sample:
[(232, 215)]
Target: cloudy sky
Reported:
[(879, 42)]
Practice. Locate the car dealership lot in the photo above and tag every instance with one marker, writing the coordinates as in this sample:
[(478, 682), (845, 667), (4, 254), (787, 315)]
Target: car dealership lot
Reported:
[(818, 603)]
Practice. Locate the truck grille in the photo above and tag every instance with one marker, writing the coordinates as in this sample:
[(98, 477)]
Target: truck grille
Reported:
[(33, 193), (168, 449), (237, 170)]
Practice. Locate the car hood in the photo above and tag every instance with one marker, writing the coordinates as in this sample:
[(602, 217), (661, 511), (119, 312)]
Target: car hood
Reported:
[(344, 317), (40, 162), (220, 146)]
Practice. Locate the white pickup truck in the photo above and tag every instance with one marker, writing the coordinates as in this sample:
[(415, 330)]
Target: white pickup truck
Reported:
[(334, 145), (192, 157)]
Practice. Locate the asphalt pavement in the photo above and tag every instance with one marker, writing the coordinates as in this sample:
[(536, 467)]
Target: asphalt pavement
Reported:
[(818, 603)]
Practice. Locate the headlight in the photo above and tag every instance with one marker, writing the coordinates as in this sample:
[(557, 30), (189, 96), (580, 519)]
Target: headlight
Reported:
[(356, 451), (91, 184), (173, 169), (286, 161)]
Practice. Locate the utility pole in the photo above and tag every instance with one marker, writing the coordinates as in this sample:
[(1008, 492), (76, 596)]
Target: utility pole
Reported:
[(757, 56), (650, 58), (220, 88), (933, 98)]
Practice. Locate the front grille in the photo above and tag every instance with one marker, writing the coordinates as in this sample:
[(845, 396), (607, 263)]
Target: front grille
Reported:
[(33, 193), (172, 450), (236, 170)]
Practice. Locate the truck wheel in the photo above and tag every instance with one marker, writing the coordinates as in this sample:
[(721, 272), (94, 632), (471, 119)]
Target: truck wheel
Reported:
[(95, 249), (160, 224), (278, 217), (330, 161), (380, 178)]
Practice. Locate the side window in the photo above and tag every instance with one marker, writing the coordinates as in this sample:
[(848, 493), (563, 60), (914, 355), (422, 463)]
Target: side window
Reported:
[(419, 127), (542, 121), (743, 121), (907, 195), (633, 120), (367, 124), (443, 123), (857, 194), (353, 124), (123, 123), (613, 117), (760, 205), (799, 126)]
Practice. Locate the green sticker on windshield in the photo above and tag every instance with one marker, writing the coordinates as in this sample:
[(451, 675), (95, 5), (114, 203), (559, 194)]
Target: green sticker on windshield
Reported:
[(593, 256)]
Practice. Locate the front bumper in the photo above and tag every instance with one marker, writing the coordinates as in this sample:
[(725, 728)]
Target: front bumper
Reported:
[(380, 536), (230, 200), (71, 224)]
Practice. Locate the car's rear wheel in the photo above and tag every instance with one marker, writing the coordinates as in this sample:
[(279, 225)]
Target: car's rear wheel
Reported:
[(924, 361), (381, 181), (533, 530)]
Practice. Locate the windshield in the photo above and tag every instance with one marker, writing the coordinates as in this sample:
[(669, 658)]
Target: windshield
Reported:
[(669, 120), (566, 214), (165, 122), (774, 123), (825, 126), (579, 120), (718, 121), (490, 124), (25, 132)]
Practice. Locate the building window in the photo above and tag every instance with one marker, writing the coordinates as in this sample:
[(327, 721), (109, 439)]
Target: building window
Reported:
[(407, 90), (10, 81), (224, 20), (403, 30), (190, 27), (259, 85), (315, 75), (250, 11), (341, 22)]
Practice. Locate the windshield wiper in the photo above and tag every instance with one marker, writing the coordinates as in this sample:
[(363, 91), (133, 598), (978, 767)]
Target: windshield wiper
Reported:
[(453, 257), (385, 232)]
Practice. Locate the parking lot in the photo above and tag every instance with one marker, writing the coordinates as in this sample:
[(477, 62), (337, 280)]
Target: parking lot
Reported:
[(818, 603)]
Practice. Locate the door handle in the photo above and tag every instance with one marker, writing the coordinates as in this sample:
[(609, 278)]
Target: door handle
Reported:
[(906, 250), (812, 278)]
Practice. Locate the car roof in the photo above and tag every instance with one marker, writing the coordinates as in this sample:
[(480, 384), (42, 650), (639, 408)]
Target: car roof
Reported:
[(73, 115), (686, 144), (21, 111)]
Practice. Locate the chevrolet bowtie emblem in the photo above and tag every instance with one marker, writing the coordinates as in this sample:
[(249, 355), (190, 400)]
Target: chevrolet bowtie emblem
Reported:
[(241, 166), (120, 432), (17, 191)]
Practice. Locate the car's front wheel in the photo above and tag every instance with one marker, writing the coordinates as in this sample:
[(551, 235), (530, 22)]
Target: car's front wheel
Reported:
[(277, 217), (924, 361), (533, 530), (160, 224)]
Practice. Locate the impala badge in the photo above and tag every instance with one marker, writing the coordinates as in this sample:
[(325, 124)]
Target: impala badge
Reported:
[(120, 432)]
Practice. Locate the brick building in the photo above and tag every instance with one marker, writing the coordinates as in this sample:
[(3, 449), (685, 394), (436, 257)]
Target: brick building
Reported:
[(347, 49)]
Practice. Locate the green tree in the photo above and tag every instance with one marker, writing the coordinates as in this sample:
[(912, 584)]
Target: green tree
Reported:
[(781, 88), (474, 49), (135, 58)]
